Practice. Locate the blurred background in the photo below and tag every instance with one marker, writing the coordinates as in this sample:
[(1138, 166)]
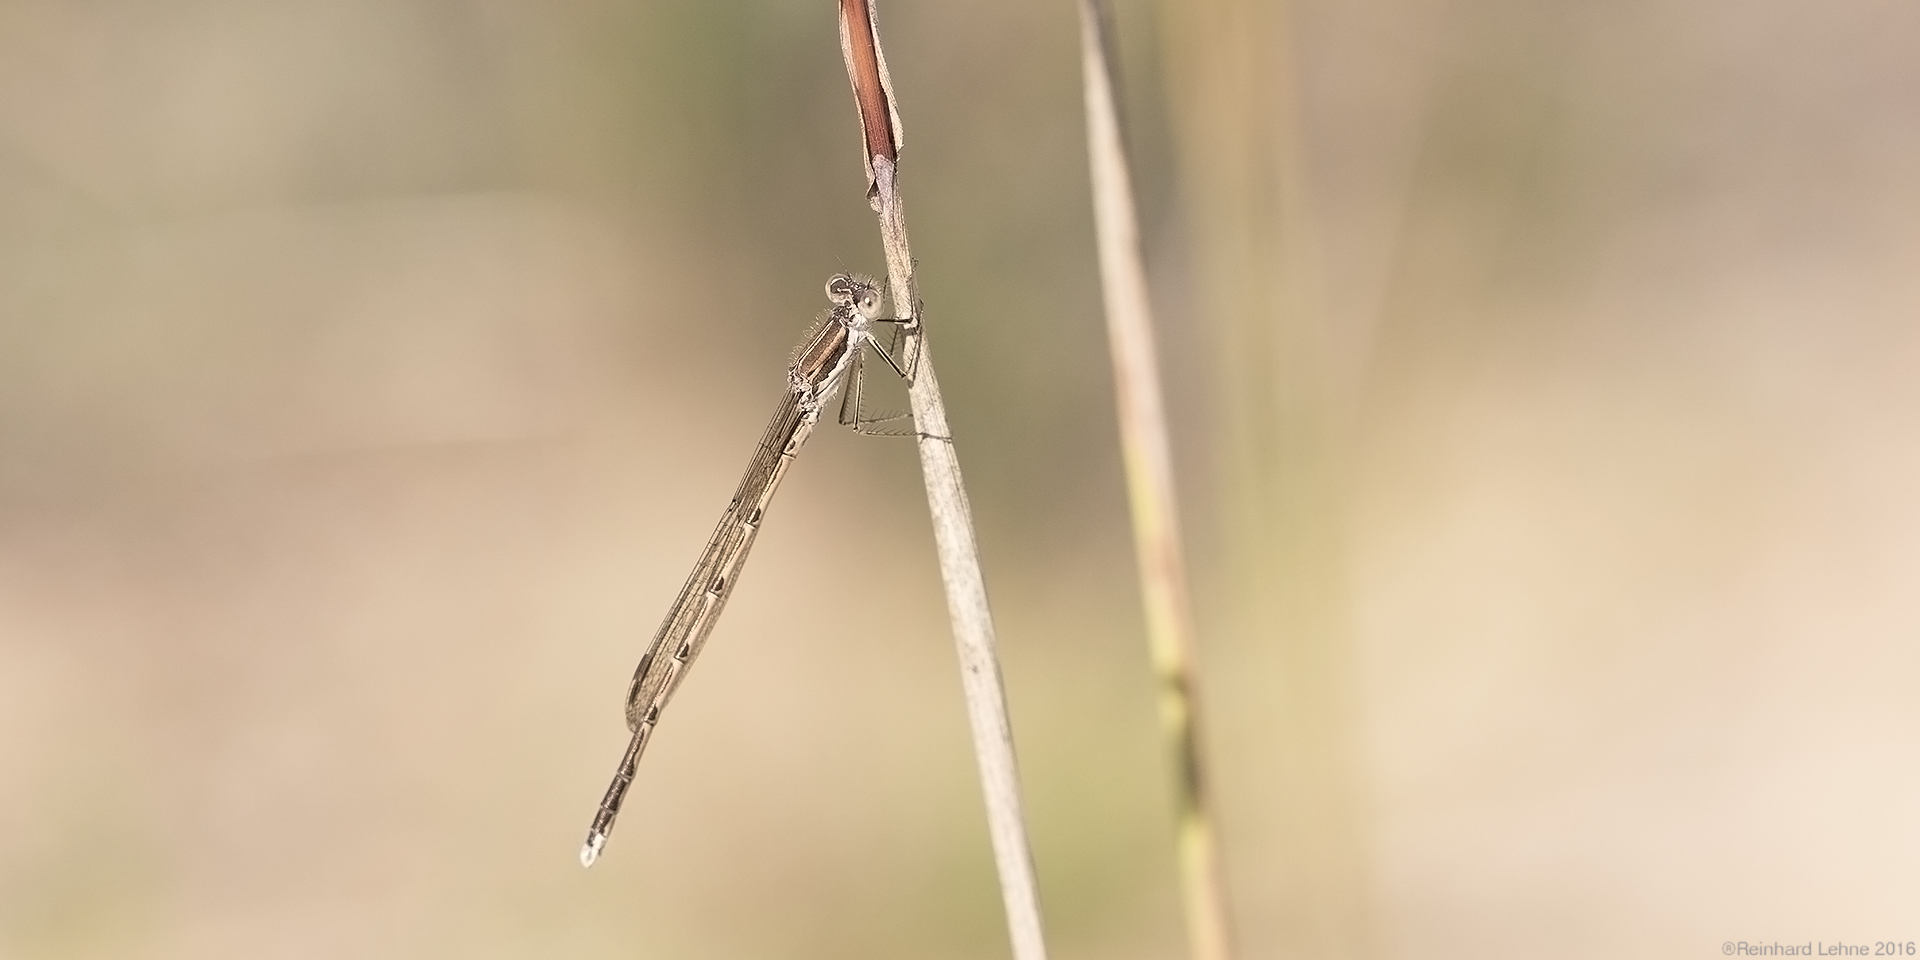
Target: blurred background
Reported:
[(1546, 385)]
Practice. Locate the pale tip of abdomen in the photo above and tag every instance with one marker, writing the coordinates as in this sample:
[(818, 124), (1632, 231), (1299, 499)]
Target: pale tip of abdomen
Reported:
[(590, 851)]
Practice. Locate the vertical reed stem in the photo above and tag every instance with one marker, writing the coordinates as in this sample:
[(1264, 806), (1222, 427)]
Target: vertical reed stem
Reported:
[(1149, 470), (946, 496)]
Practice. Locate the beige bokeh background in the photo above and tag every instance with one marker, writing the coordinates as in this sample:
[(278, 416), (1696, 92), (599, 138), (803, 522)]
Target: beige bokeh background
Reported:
[(370, 373)]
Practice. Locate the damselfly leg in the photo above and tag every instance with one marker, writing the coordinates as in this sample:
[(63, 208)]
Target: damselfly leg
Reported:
[(901, 359)]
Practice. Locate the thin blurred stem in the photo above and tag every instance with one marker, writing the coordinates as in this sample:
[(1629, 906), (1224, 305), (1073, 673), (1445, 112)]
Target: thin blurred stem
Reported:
[(946, 496), (1242, 158), (1149, 469)]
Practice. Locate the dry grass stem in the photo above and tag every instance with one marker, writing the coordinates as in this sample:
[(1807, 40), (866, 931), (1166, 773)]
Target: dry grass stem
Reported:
[(946, 497)]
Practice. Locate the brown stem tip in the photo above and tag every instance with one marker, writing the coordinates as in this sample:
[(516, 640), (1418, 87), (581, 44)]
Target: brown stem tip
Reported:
[(872, 87)]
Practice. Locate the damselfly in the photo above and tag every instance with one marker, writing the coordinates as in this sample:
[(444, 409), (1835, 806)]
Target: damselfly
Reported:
[(832, 353)]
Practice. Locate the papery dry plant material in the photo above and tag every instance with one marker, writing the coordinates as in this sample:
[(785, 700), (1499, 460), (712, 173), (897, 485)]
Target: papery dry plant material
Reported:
[(1149, 468), (946, 495)]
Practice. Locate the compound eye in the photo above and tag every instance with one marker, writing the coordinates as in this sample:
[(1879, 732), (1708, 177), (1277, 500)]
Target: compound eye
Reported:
[(869, 304), (840, 288)]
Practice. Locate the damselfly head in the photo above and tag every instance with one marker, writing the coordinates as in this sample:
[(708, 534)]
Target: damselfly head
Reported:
[(857, 292)]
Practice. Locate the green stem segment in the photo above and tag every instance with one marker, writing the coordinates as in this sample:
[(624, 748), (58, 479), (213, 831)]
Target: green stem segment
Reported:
[(1149, 470)]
